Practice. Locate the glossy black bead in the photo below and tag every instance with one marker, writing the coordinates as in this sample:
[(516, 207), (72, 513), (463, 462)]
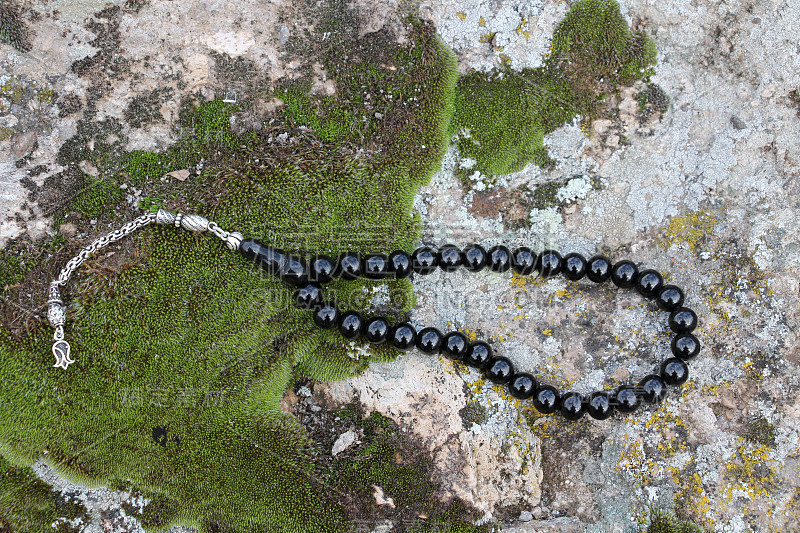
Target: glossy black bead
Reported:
[(685, 346), (475, 257), (449, 257), (499, 370), (326, 315), (649, 283), (523, 260), (454, 345), (599, 406), (267, 257), (499, 258), (522, 385), (625, 399), (575, 266), (308, 296), (624, 273), (349, 266), (669, 297), (429, 340), (478, 354), (572, 406), (546, 399), (375, 266), (674, 371), (293, 270), (549, 263), (376, 330), (599, 269), (400, 264), (403, 336), (321, 269), (682, 320), (424, 260), (351, 325), (652, 388)]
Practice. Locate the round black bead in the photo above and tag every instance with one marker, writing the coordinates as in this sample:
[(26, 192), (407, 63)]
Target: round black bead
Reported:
[(375, 266), (649, 283), (293, 270), (321, 269), (574, 266), (599, 406), (475, 257), (429, 340), (624, 274), (449, 257), (377, 330), (326, 315), (522, 385), (625, 399), (351, 325), (674, 371), (682, 320), (685, 346), (599, 269), (523, 260), (669, 297), (546, 399), (652, 388), (499, 370), (349, 266), (308, 296), (572, 406), (499, 258), (400, 264), (267, 257), (549, 263), (478, 354), (403, 336), (454, 345), (424, 260)]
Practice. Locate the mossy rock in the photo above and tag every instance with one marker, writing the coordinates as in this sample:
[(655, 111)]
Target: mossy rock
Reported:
[(503, 115), (184, 349)]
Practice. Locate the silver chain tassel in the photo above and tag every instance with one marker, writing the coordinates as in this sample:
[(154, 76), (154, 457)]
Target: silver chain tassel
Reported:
[(56, 312)]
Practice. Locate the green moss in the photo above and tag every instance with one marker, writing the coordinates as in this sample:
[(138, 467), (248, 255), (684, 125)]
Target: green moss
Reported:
[(503, 115), (28, 504), (96, 196), (760, 431), (499, 119), (661, 522), (182, 357), (13, 265), (379, 462)]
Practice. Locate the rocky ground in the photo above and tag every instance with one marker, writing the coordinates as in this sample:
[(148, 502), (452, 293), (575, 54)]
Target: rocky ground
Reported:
[(705, 190)]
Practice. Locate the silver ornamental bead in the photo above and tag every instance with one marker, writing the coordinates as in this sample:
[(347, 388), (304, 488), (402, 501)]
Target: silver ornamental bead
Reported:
[(234, 240), (194, 223), (56, 314), (165, 217)]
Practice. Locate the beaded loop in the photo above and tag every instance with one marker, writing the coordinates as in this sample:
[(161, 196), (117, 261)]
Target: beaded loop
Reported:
[(307, 279)]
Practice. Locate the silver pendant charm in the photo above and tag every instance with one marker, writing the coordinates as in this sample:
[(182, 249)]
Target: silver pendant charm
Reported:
[(61, 351)]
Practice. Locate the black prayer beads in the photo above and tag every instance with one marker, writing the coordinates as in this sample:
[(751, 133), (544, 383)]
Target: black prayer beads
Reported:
[(454, 345)]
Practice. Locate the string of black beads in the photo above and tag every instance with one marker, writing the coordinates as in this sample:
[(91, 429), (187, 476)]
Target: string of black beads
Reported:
[(308, 278)]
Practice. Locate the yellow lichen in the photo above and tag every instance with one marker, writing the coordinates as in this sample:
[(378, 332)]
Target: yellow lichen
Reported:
[(690, 228)]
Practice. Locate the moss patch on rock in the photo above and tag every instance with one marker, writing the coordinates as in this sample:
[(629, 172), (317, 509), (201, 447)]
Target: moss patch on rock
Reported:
[(503, 115), (29, 504), (183, 349)]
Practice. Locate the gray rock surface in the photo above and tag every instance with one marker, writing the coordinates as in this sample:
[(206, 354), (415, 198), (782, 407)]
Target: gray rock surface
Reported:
[(707, 194)]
